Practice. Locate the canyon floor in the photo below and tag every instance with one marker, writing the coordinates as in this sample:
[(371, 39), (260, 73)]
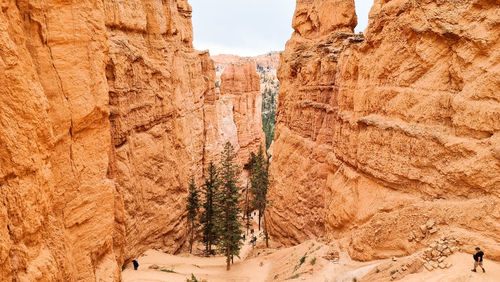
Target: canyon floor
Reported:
[(312, 260)]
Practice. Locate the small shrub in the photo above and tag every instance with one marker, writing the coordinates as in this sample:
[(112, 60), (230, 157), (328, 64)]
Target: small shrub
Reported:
[(393, 271), (193, 278), (302, 260), (313, 261), (168, 270), (377, 270), (354, 279), (295, 276), (276, 276)]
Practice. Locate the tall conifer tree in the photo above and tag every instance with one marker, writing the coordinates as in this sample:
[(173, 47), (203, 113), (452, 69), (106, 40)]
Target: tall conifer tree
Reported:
[(192, 207), (210, 212), (260, 183), (229, 225)]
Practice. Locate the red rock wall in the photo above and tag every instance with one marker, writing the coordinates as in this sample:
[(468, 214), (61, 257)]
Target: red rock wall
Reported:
[(157, 88), (377, 135), (101, 125), (241, 84), (57, 203)]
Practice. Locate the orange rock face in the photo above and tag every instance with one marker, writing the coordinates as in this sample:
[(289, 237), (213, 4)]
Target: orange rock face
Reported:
[(159, 88), (241, 84), (102, 123), (377, 135)]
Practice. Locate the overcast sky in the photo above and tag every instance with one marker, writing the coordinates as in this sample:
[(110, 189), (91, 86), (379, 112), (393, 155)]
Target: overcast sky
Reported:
[(250, 27)]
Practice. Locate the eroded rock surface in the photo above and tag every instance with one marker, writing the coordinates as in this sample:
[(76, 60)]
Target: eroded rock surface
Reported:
[(267, 66), (239, 106), (378, 134), (102, 123)]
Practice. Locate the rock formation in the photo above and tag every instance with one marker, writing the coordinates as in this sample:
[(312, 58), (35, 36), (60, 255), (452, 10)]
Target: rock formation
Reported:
[(241, 84), (378, 134), (102, 123), (267, 65), (236, 114), (158, 90)]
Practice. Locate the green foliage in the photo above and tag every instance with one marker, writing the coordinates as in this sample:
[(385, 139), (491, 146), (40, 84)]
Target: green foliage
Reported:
[(192, 208), (313, 261), (260, 182), (354, 279), (217, 84), (393, 271), (210, 213), (228, 224), (295, 276), (269, 104), (168, 270), (194, 279), (302, 260)]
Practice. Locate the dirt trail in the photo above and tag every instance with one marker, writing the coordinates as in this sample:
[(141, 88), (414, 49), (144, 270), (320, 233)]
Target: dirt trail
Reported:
[(309, 261)]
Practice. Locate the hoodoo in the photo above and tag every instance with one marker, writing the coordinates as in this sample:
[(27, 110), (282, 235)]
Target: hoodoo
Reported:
[(379, 134)]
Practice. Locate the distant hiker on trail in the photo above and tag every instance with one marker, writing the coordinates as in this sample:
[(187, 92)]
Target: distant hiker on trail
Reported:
[(136, 264), (253, 241), (251, 231), (478, 259)]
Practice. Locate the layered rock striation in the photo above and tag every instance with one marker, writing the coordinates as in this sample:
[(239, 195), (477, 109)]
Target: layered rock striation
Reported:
[(379, 133), (267, 65), (103, 121), (237, 113), (241, 84)]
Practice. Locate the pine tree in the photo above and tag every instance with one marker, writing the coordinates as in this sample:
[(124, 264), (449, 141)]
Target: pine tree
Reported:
[(192, 207), (210, 212), (229, 226), (260, 183)]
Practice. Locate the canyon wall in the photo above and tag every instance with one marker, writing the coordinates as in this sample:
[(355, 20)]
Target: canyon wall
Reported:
[(159, 87), (241, 84), (267, 65), (380, 134), (102, 123)]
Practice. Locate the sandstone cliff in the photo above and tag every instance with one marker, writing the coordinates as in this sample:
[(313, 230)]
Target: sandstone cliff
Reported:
[(102, 122), (158, 89), (267, 65), (378, 135), (241, 84)]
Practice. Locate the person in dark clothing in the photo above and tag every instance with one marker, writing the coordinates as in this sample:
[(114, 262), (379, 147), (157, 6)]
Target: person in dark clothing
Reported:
[(478, 259), (136, 264)]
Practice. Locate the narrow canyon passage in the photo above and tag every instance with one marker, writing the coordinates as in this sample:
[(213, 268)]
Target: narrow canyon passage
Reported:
[(384, 144)]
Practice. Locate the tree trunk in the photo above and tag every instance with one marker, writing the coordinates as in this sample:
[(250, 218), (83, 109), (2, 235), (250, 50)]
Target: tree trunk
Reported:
[(260, 216), (192, 239), (265, 230), (228, 257)]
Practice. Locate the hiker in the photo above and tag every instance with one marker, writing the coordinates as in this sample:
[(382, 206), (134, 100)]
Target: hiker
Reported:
[(478, 259), (136, 264), (251, 231), (243, 236)]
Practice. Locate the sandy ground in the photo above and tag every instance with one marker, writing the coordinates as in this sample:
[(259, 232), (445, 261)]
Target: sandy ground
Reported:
[(284, 264), (460, 272), (309, 261)]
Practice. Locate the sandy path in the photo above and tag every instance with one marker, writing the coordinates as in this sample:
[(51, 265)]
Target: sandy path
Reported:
[(460, 271), (211, 268)]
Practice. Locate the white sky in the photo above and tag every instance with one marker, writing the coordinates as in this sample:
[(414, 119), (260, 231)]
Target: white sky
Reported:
[(250, 27)]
